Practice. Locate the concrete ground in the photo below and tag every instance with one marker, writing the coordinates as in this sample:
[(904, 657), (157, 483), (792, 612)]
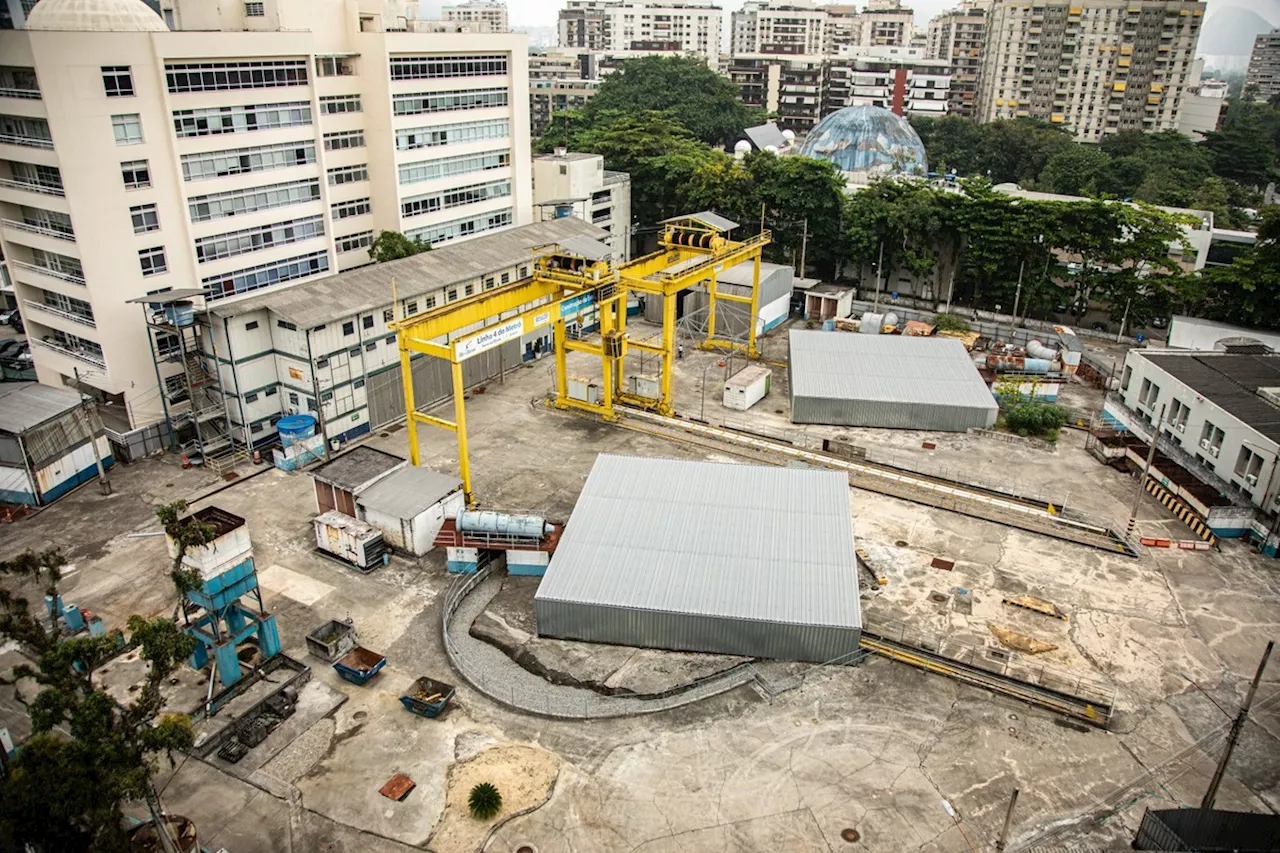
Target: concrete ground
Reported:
[(875, 748)]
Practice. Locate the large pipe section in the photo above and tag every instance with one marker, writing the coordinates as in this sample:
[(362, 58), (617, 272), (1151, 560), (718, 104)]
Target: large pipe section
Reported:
[(1035, 349), (1017, 364), (529, 526)]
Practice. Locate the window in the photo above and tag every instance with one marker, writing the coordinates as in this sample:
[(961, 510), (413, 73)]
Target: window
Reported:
[(334, 66), (440, 102), (144, 218), (238, 202), (348, 328), (293, 398), (451, 295), (344, 139), (211, 121), (224, 76), (254, 10), (367, 322), (1128, 374), (1248, 466), (371, 346), (1211, 438), (353, 242), (249, 327), (270, 392), (452, 134), (388, 315), (266, 275), (326, 396), (290, 327), (359, 383), (167, 344), (117, 81), (432, 67), (431, 303), (506, 277), (262, 237), (524, 272), (239, 161), (348, 174), (461, 164), (152, 261), (410, 308), (251, 397), (448, 199), (127, 129), (488, 283), (347, 209), (337, 104), (354, 351), (468, 290), (255, 428), (445, 231)]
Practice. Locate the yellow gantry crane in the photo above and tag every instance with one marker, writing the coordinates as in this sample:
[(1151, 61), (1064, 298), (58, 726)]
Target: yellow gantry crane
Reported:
[(571, 278)]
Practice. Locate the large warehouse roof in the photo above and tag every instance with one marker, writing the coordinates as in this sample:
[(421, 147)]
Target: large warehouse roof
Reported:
[(886, 381), (714, 540)]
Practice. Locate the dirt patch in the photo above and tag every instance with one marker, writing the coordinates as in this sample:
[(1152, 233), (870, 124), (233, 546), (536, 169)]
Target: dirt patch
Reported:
[(524, 775)]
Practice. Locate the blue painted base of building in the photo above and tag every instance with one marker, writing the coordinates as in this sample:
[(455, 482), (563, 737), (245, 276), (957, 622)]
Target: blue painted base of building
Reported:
[(1230, 532), (525, 570), (773, 324), (462, 567), (354, 433), (1113, 422)]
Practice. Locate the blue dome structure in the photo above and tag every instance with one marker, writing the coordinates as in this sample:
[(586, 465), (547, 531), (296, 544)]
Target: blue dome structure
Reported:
[(867, 142)]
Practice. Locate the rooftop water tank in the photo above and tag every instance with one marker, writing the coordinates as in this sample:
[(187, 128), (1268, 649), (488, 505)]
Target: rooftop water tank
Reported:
[(295, 428), (1035, 349), (531, 526)]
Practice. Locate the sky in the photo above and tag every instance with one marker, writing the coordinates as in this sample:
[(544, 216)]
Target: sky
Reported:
[(542, 13)]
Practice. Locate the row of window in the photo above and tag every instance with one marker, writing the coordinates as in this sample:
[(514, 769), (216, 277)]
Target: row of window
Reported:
[(57, 263), (432, 67), (332, 105), (266, 275), (210, 121), (460, 164), (262, 237), (452, 134), (445, 231), (68, 304), (49, 220), (343, 139), (234, 202), (352, 242), (348, 174), (348, 209), (441, 102), (222, 76), (238, 161), (448, 199)]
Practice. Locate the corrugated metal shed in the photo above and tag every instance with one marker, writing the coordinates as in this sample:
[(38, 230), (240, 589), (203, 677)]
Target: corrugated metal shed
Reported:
[(24, 405), (408, 492), (706, 217), (886, 381), (707, 556), (313, 303), (357, 467)]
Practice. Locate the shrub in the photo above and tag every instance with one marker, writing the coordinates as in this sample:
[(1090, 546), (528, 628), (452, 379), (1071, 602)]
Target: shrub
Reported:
[(485, 801), (950, 323), (1035, 418)]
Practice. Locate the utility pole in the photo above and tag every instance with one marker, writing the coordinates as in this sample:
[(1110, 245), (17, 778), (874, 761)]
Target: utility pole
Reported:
[(88, 415), (1008, 822), (1124, 320), (951, 286), (879, 268), (1236, 726), (1013, 318), (1146, 472), (804, 246)]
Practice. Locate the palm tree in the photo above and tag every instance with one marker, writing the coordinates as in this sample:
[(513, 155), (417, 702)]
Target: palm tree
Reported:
[(485, 801)]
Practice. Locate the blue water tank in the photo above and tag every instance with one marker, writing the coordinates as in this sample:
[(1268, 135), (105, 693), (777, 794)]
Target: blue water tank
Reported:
[(532, 526), (828, 325), (295, 428)]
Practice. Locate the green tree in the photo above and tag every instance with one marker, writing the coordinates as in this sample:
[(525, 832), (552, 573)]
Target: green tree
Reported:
[(392, 245), (1248, 291), (87, 754), (1074, 170), (1031, 418), (684, 89), (1245, 149)]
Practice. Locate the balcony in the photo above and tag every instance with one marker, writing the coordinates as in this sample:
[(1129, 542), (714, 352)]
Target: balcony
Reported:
[(39, 229), (19, 92), (26, 141), (33, 187), (83, 354), (58, 312), (61, 276)]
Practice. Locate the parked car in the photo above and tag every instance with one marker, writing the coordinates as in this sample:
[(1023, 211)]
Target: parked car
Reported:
[(1158, 323), (10, 349), (1099, 327), (9, 315)]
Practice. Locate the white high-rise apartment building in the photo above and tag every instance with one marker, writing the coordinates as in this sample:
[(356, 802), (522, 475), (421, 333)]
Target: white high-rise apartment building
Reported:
[(885, 23), (263, 143), (624, 28), (958, 36), (794, 27), (1263, 75), (489, 15), (1096, 67)]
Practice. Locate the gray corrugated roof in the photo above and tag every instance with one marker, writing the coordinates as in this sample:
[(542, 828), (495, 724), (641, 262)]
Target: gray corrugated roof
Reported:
[(766, 134), (585, 247), (886, 368), (710, 538), (1230, 382), (407, 492), (323, 300), (706, 217), (24, 405), (356, 467)]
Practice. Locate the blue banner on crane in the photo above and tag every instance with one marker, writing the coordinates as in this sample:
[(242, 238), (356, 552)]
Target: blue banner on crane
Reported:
[(575, 305)]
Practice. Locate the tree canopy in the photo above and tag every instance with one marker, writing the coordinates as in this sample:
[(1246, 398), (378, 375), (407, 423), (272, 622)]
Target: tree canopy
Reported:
[(392, 245)]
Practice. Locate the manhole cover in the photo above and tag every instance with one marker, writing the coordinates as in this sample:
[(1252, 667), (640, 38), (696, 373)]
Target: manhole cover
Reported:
[(938, 598), (359, 715), (526, 848), (849, 834), (901, 543), (383, 434)]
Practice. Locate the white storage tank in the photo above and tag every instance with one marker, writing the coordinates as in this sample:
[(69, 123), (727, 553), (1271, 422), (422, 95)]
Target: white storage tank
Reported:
[(355, 542), (747, 387), (871, 323)]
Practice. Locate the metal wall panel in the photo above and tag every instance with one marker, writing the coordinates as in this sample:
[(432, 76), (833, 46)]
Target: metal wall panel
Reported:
[(433, 382), (893, 415)]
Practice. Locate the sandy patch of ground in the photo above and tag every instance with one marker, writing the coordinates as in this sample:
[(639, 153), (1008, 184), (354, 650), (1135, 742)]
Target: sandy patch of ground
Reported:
[(524, 775)]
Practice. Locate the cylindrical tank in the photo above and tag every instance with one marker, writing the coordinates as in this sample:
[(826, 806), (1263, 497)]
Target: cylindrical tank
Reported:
[(1035, 349), (1017, 364), (500, 522), (871, 323), (890, 319), (295, 428)]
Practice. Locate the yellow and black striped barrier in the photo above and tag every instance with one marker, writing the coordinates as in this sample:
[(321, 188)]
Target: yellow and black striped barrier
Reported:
[(1185, 514)]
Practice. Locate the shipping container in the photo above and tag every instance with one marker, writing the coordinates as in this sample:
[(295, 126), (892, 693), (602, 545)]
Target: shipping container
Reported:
[(747, 387)]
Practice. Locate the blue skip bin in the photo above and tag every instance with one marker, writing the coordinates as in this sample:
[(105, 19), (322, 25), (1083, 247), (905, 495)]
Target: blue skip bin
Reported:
[(359, 665), (427, 697)]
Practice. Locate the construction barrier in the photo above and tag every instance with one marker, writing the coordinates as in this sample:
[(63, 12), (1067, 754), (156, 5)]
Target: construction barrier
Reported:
[(1185, 514), (1184, 544)]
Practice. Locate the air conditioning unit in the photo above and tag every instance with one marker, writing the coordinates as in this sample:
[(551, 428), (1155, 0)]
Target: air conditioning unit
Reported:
[(1251, 479), (1180, 427), (1204, 444), (1213, 451)]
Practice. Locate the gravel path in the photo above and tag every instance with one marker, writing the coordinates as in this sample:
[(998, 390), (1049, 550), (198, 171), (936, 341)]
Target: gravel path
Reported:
[(490, 671)]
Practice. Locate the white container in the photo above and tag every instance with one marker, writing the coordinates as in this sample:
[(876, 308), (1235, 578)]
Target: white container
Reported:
[(230, 548), (644, 386), (747, 387), (358, 543), (584, 390)]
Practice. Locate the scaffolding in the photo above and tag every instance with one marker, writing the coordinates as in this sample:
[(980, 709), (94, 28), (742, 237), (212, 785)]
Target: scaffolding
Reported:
[(195, 407)]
